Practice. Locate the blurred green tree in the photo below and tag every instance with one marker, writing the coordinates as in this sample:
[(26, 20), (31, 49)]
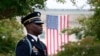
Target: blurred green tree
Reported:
[(10, 32), (86, 47), (89, 44), (91, 25), (14, 8)]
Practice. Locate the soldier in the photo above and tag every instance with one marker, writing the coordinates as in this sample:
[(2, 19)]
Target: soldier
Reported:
[(31, 45)]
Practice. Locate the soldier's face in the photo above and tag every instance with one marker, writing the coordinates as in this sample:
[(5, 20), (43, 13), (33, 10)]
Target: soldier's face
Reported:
[(37, 28)]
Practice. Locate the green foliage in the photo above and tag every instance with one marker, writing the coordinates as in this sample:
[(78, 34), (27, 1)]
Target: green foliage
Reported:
[(85, 47), (74, 30), (61, 1), (10, 32), (89, 26), (95, 3), (93, 23), (14, 8)]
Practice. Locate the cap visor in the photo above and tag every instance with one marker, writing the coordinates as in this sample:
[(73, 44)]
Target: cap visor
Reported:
[(39, 22)]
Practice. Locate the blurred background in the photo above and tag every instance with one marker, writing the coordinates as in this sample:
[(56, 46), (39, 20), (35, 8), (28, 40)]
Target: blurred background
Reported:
[(71, 27)]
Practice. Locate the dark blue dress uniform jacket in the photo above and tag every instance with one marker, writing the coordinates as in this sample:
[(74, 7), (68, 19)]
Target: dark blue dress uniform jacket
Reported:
[(23, 49)]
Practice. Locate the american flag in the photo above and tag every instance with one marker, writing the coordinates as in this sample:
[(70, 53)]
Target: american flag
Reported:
[(54, 26)]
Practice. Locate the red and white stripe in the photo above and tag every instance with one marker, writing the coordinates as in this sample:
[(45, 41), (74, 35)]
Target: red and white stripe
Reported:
[(55, 38)]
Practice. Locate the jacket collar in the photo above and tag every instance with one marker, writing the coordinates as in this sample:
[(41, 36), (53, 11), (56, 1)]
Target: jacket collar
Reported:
[(33, 42), (33, 36)]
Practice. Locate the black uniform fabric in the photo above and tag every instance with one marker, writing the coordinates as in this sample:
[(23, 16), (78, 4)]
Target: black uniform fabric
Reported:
[(38, 48)]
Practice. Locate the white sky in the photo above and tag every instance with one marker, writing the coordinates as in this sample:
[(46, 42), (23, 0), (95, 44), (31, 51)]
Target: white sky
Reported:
[(52, 4)]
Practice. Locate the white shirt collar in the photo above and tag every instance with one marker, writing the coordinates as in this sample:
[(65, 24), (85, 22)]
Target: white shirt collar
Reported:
[(33, 36)]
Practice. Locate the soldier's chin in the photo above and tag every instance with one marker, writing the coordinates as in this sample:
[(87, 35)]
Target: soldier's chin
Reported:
[(40, 32)]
